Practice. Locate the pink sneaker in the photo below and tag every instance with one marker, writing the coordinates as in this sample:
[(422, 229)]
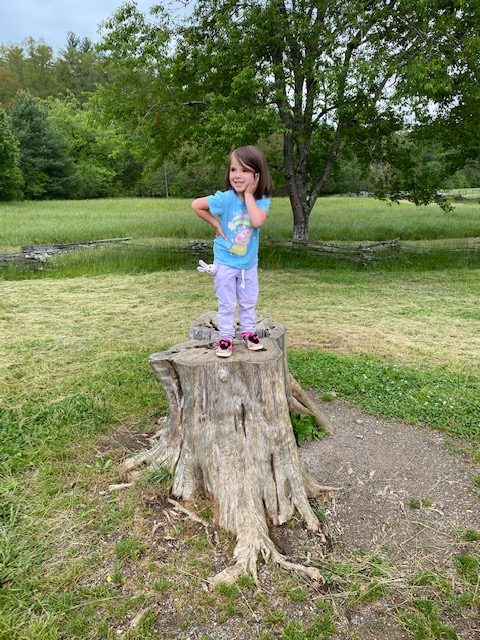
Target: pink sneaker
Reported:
[(252, 341), (223, 347)]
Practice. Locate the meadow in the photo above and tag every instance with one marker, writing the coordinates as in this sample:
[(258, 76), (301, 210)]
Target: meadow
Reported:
[(402, 342), (148, 219)]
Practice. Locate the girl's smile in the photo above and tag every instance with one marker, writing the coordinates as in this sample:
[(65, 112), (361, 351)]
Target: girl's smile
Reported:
[(240, 176)]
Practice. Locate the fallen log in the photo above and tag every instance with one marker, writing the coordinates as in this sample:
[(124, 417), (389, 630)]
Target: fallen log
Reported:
[(39, 253)]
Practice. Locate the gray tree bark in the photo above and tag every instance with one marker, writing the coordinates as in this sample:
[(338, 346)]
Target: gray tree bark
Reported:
[(229, 435)]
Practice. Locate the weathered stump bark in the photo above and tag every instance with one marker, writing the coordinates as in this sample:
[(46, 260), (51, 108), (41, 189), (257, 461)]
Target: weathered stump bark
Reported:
[(229, 435), (206, 328)]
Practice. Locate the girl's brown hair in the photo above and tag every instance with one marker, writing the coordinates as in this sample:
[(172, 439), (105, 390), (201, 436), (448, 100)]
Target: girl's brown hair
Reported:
[(253, 158)]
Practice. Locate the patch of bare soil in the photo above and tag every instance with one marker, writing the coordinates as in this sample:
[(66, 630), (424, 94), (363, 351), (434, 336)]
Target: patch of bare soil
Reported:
[(384, 470)]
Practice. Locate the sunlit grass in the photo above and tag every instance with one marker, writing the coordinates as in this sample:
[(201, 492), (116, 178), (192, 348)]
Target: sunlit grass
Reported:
[(144, 256), (333, 218), (76, 561), (74, 352)]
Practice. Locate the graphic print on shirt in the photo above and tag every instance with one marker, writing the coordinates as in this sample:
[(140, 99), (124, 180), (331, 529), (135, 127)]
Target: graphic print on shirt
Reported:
[(242, 230)]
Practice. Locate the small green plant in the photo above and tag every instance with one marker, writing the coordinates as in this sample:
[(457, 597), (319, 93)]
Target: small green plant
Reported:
[(103, 464), (324, 607), (228, 590), (305, 428), (117, 576), (161, 585), (469, 535), (130, 548), (320, 628), (200, 543), (430, 579), (368, 593), (277, 616), (421, 620), (375, 566), (246, 581), (145, 630), (319, 510), (206, 513), (160, 475), (468, 566), (295, 594), (419, 503)]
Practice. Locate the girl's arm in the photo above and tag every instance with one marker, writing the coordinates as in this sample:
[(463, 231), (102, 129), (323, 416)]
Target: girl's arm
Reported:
[(200, 206), (257, 216)]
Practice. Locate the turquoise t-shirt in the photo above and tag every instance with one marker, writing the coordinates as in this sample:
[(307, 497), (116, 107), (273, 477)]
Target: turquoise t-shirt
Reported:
[(240, 249)]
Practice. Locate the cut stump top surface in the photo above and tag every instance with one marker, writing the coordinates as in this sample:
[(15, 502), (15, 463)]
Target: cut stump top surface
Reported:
[(196, 352)]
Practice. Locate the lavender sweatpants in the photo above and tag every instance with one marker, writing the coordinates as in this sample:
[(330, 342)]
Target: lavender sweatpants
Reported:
[(232, 285)]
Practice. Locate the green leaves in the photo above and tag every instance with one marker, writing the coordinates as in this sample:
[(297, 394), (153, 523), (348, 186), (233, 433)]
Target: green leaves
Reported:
[(139, 98), (44, 156), (340, 76), (10, 175)]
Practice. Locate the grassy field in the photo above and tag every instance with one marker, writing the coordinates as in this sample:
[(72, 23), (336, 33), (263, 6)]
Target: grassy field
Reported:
[(333, 218), (468, 192), (76, 562), (161, 231)]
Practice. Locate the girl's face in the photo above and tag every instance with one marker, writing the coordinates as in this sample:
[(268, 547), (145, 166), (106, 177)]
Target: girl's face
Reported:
[(240, 176)]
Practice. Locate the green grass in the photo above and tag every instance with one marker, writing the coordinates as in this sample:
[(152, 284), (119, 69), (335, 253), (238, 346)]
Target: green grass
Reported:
[(422, 621), (161, 232), (440, 399), (333, 218), (74, 352), (77, 561), (467, 192), (142, 257), (43, 423)]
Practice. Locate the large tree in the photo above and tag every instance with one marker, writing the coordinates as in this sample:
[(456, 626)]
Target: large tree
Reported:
[(98, 153), (340, 75), (45, 159), (78, 67), (32, 65), (139, 98)]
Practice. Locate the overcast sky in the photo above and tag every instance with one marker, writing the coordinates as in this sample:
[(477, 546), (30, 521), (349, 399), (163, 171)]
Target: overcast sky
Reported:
[(53, 19)]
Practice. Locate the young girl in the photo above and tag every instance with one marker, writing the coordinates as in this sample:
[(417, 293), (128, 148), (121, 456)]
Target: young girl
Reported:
[(237, 215)]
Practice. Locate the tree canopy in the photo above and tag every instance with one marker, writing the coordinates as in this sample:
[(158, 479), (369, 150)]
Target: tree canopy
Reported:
[(44, 159), (10, 174), (360, 92), (336, 78)]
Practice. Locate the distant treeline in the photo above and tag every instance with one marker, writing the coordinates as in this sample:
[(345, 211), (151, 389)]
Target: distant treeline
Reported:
[(62, 136)]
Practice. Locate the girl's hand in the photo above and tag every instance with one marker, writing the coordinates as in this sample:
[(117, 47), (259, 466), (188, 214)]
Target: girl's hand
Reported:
[(218, 231), (252, 187)]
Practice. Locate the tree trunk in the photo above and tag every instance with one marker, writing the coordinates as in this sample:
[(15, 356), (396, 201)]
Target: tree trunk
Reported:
[(300, 231), (296, 179), (206, 328), (229, 435)]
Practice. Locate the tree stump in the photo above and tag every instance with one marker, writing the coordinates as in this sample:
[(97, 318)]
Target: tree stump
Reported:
[(206, 328), (229, 436)]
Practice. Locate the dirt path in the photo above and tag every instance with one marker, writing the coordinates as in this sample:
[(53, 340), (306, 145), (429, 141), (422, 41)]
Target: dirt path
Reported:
[(382, 467)]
